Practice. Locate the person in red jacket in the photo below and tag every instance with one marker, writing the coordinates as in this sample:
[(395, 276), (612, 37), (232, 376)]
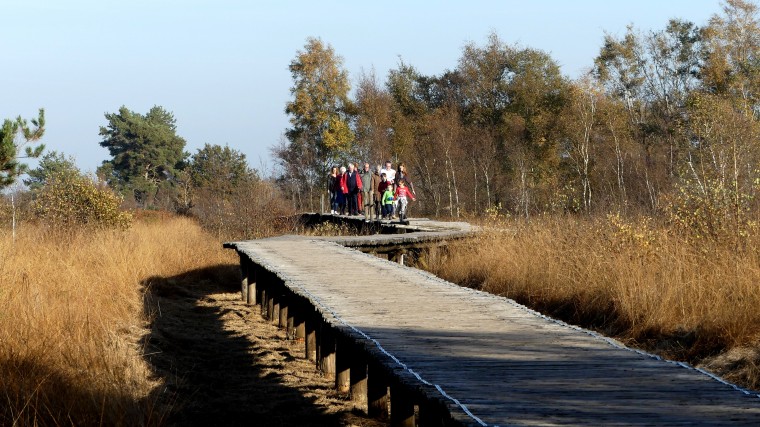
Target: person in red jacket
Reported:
[(340, 190), (353, 185), (402, 193)]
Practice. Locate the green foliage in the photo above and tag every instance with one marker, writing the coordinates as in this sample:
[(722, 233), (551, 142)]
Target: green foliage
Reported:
[(515, 95), (52, 163), (146, 152), (71, 199), (219, 169), (10, 167)]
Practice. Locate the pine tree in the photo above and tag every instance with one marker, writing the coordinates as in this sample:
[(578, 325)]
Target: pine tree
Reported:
[(10, 166)]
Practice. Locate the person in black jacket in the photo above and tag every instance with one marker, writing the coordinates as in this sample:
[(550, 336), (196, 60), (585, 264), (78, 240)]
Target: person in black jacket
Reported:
[(331, 185), (354, 185)]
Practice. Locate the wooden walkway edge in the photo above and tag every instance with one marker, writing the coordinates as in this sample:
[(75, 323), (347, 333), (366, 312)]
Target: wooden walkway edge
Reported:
[(455, 356)]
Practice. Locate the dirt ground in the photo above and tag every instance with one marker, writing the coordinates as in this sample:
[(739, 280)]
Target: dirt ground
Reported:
[(222, 364)]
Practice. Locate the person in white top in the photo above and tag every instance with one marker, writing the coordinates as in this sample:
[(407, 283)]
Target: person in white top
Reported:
[(390, 173)]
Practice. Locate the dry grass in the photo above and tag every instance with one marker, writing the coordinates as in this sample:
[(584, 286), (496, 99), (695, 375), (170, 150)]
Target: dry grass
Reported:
[(641, 283), (72, 316)]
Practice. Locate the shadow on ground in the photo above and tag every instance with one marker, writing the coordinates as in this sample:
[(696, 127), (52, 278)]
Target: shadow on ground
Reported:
[(213, 373)]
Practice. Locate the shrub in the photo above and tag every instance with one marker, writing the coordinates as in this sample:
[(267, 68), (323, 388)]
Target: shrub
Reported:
[(72, 199)]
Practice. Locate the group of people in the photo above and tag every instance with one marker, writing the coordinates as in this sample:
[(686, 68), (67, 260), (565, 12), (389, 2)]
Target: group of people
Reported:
[(383, 192)]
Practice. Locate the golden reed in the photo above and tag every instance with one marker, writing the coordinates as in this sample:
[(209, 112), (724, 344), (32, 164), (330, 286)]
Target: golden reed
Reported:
[(72, 319)]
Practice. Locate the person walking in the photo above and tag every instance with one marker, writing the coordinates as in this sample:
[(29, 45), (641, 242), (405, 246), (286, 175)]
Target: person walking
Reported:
[(387, 198), (376, 193), (341, 190), (353, 184), (401, 173), (331, 190), (401, 195), (366, 175), (390, 173)]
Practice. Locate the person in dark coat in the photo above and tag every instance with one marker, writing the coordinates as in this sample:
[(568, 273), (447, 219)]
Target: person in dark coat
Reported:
[(331, 183), (353, 183)]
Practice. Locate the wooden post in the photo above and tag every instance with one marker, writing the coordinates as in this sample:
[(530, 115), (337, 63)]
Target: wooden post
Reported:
[(402, 407), (433, 414), (311, 337), (358, 374), (377, 392), (266, 283), (264, 303), (283, 317), (343, 356), (261, 279), (326, 351), (244, 268), (277, 297), (271, 304), (299, 324), (250, 296), (290, 328)]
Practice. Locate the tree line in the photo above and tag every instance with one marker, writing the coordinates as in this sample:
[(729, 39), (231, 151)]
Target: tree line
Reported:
[(148, 169), (664, 123)]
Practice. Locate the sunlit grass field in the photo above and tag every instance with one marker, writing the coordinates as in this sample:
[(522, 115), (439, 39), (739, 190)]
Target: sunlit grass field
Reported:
[(72, 311), (72, 318)]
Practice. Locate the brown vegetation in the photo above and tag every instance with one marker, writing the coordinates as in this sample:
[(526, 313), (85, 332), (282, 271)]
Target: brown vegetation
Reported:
[(144, 326), (642, 283), (72, 319)]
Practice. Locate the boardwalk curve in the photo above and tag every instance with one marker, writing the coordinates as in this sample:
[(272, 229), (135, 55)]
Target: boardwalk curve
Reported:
[(462, 356)]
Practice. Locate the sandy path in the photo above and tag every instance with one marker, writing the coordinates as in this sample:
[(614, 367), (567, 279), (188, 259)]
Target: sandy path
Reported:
[(223, 364)]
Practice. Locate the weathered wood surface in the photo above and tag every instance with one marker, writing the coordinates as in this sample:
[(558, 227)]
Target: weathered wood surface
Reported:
[(419, 231), (487, 359)]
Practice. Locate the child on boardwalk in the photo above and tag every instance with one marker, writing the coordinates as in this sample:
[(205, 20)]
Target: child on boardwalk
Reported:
[(387, 198), (402, 192)]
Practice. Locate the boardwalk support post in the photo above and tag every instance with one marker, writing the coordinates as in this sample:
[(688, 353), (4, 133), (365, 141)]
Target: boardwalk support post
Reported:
[(299, 322), (343, 356), (250, 296), (274, 304), (244, 271), (266, 295), (358, 377), (402, 407), (326, 350), (290, 324), (311, 338), (377, 392)]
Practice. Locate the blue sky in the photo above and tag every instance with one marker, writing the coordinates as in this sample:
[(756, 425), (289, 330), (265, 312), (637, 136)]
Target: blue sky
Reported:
[(222, 66)]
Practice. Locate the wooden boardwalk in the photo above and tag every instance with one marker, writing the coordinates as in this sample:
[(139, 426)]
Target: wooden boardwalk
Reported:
[(463, 356)]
